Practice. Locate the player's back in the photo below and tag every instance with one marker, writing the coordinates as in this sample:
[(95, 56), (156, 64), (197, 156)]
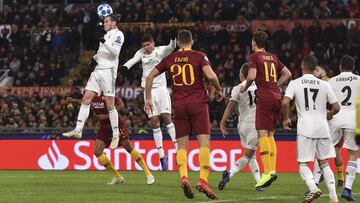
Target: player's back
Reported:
[(268, 68), (185, 69), (311, 96), (246, 102), (346, 87)]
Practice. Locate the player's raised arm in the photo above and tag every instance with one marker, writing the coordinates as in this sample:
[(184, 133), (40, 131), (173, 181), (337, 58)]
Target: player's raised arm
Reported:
[(209, 73), (134, 60), (229, 108), (170, 47), (249, 79), (285, 76)]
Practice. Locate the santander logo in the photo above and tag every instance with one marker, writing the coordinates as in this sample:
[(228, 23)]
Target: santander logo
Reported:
[(53, 159)]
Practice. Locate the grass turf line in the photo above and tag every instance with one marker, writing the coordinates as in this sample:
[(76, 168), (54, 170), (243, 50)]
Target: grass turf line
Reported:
[(90, 186)]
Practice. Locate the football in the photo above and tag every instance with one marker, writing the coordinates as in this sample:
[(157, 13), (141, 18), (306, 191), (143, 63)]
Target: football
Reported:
[(104, 10)]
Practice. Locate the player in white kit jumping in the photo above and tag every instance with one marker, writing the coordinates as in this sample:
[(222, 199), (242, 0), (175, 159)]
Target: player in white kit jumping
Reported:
[(346, 86), (102, 79), (150, 56), (246, 127), (311, 96)]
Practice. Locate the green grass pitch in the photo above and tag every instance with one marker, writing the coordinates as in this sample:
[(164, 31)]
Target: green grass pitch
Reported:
[(90, 186)]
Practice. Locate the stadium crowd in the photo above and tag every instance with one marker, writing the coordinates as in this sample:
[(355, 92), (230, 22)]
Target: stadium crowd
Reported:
[(40, 43)]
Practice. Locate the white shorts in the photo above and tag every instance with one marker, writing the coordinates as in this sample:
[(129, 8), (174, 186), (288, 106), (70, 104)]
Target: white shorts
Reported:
[(102, 81), (248, 135), (161, 101), (347, 134), (308, 147)]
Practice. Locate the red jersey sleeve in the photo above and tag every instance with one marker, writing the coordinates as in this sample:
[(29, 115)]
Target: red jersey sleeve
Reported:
[(162, 67), (252, 61), (204, 60)]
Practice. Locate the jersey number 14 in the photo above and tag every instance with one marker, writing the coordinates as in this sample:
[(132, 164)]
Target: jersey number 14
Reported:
[(272, 71)]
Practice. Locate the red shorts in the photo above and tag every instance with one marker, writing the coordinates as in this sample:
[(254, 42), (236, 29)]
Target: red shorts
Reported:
[(191, 117), (268, 114), (105, 132)]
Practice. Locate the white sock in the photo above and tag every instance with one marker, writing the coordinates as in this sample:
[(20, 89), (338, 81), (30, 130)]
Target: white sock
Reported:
[(254, 168), (317, 172), (82, 117), (114, 120), (172, 133), (239, 164), (351, 169), (329, 180), (307, 176), (158, 138)]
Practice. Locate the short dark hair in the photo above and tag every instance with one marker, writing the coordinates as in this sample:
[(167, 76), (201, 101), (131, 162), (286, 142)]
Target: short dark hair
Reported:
[(260, 38), (184, 37), (114, 17), (310, 62), (347, 63), (147, 38), (245, 69)]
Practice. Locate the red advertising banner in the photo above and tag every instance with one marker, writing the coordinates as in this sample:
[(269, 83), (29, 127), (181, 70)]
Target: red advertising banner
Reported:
[(78, 155)]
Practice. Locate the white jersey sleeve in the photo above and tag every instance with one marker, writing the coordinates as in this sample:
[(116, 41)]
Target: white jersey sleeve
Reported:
[(290, 90), (235, 93), (134, 60), (108, 53), (164, 51)]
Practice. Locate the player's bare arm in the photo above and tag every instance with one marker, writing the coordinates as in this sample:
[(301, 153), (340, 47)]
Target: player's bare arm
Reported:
[(209, 73), (148, 86), (72, 100), (230, 106), (285, 109), (249, 80), (335, 108), (285, 76)]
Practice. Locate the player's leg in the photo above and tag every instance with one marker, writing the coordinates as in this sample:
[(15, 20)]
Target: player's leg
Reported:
[(158, 138), (183, 129), (339, 167), (100, 145), (326, 151), (164, 108), (239, 165), (181, 161), (351, 168), (264, 144), (273, 151), (305, 152), (82, 115), (200, 120), (114, 119), (170, 128), (317, 172), (139, 159)]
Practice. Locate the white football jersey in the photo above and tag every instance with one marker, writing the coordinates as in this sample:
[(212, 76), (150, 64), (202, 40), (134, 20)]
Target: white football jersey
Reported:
[(311, 96), (149, 61), (246, 102), (346, 86), (108, 53)]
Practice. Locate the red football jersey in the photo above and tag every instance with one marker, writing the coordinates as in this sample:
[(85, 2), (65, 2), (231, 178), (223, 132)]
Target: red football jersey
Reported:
[(187, 78), (268, 68), (99, 107)]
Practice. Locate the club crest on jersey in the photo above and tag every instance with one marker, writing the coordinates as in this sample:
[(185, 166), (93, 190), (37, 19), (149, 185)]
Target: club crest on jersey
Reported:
[(118, 40)]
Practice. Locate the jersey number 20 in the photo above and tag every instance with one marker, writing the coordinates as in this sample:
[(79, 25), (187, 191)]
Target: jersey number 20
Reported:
[(180, 74)]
